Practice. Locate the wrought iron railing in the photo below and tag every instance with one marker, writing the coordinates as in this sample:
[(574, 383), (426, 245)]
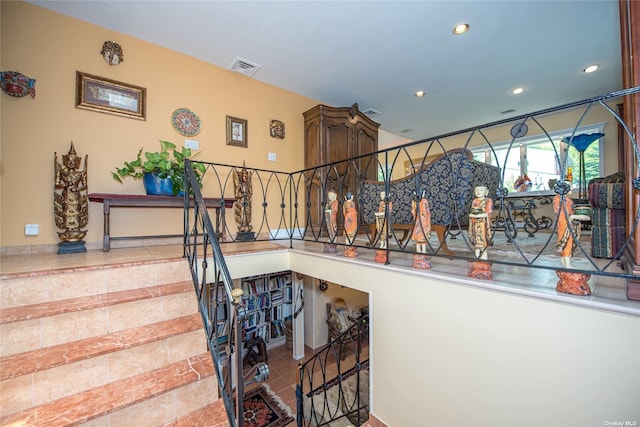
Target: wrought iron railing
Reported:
[(290, 206), (220, 306), (333, 385)]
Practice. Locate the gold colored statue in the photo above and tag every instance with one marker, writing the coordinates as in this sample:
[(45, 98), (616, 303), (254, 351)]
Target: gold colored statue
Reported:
[(242, 205), (70, 203)]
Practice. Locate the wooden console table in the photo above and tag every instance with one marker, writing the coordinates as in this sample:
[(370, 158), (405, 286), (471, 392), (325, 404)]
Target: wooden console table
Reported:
[(142, 201)]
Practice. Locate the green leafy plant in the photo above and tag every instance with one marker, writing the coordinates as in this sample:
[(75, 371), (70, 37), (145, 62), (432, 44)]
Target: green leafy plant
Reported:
[(166, 163)]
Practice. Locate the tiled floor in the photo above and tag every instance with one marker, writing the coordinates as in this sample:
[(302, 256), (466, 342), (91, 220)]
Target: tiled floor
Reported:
[(283, 372)]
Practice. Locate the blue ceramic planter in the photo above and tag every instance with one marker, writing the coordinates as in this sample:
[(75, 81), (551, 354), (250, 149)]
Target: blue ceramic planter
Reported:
[(156, 186)]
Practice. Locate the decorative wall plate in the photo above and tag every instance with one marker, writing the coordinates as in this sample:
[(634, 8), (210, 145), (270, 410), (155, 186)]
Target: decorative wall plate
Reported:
[(186, 122)]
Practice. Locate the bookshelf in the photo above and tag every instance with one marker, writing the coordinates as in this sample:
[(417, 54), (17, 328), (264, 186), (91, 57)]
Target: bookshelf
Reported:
[(269, 302)]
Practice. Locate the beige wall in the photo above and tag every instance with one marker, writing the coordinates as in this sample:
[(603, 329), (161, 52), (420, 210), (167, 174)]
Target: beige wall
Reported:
[(50, 48)]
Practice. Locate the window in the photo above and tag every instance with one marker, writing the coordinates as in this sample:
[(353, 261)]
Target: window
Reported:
[(542, 158)]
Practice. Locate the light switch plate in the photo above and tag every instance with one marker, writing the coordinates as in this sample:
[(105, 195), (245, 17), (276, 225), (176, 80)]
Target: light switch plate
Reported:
[(31, 229), (191, 143)]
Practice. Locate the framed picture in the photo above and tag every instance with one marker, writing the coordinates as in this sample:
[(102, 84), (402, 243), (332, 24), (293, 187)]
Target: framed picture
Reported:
[(236, 132), (110, 96), (416, 165)]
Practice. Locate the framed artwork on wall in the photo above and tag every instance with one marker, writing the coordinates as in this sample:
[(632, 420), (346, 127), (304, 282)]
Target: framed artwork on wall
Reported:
[(110, 96), (416, 165), (236, 132)]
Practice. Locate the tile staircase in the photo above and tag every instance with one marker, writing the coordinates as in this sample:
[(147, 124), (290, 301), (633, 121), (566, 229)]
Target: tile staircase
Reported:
[(109, 345)]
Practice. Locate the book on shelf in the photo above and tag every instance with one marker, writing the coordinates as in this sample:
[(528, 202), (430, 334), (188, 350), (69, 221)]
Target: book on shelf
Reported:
[(268, 300)]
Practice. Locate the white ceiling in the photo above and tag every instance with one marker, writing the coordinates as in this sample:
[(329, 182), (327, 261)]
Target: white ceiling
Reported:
[(378, 53)]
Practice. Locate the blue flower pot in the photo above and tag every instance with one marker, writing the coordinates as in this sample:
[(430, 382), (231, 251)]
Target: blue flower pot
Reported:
[(155, 186)]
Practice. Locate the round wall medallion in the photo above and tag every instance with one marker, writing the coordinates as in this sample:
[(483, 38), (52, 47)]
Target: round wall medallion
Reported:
[(186, 122)]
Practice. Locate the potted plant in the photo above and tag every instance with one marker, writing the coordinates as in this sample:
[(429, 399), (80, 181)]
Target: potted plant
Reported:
[(162, 171)]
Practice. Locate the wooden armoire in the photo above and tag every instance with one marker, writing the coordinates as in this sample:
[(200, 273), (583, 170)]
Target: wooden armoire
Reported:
[(331, 135)]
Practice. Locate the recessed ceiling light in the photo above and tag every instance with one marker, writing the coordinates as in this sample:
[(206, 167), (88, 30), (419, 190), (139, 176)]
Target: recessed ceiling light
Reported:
[(420, 93), (517, 91), (460, 29), (591, 68)]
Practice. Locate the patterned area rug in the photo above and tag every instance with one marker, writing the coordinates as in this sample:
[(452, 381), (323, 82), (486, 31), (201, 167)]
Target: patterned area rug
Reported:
[(263, 408)]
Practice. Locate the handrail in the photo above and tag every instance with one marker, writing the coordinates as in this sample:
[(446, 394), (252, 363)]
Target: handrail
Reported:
[(221, 309)]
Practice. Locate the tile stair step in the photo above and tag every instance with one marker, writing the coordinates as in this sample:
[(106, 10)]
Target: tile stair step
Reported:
[(91, 404), (70, 352), (138, 318), (70, 305), (211, 415), (37, 326)]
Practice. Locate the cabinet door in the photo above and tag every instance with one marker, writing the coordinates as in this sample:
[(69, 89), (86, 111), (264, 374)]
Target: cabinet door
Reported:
[(366, 142), (337, 143), (313, 148)]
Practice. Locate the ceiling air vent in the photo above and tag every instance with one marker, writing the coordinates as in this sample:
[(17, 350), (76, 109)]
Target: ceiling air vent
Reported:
[(371, 112), (244, 66)]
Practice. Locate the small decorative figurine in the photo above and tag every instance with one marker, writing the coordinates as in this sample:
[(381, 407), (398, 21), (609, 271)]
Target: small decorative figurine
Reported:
[(571, 283), (523, 183), (381, 219), (276, 129), (421, 230), (242, 205), (331, 219), (382, 227), (112, 53), (563, 208), (480, 222), (480, 233), (70, 205), (350, 225)]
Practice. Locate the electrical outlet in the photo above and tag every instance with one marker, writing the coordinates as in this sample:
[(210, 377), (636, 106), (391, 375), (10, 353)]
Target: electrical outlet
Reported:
[(31, 229), (271, 157), (191, 143)]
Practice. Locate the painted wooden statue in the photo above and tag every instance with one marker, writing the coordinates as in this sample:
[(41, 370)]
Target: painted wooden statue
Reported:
[(480, 222), (70, 203), (382, 223)]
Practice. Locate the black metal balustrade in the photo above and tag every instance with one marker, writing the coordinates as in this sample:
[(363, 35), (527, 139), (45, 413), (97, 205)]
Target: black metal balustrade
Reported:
[(290, 206), (333, 385)]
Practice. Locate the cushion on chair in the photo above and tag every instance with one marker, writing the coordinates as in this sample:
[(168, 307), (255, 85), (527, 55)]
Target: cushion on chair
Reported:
[(607, 192)]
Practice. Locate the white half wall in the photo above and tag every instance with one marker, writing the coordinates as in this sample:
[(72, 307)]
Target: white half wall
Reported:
[(448, 354)]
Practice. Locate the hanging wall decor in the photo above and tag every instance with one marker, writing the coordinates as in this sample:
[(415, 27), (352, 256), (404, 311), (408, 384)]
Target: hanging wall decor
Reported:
[(276, 129), (16, 84), (110, 96), (112, 52), (186, 122), (236, 132)]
